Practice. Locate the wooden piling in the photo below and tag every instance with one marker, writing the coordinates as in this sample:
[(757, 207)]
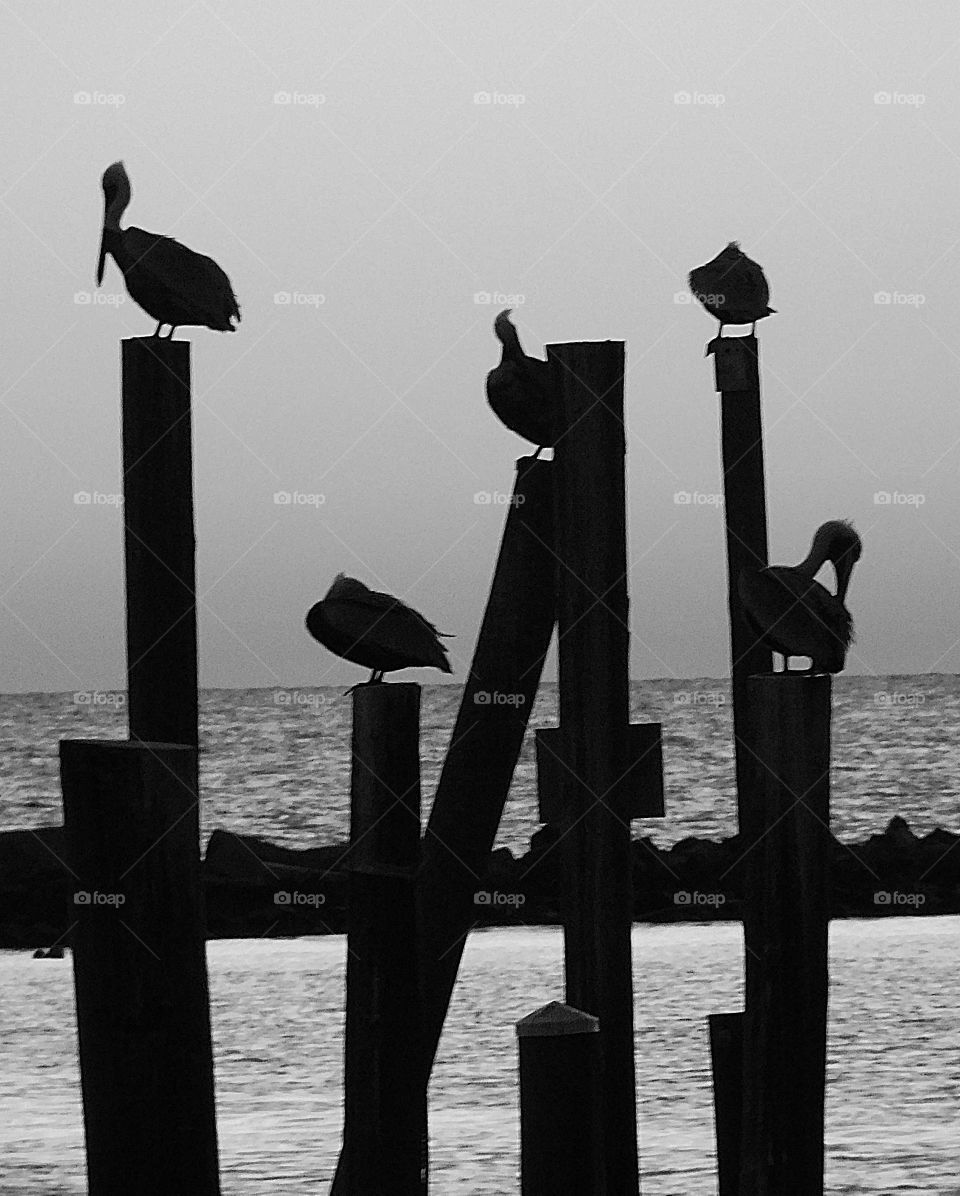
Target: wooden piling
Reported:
[(385, 1107), (139, 957), (561, 1138), (745, 504), (726, 1055), (495, 708), (785, 1023), (593, 639), (159, 541)]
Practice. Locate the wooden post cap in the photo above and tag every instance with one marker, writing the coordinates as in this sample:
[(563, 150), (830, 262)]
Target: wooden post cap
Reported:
[(555, 1019), (732, 359)]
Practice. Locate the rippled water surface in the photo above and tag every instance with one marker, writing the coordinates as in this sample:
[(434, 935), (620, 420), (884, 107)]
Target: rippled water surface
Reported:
[(893, 1089), (277, 763)]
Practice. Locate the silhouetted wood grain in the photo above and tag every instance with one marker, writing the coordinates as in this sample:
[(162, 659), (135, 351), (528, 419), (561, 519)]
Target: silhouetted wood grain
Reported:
[(785, 1024), (561, 1137), (593, 646), (159, 541), (385, 1107), (139, 956)]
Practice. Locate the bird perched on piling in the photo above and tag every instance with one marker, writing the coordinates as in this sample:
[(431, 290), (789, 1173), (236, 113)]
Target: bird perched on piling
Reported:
[(732, 288), (170, 282), (795, 615), (520, 390), (375, 630)]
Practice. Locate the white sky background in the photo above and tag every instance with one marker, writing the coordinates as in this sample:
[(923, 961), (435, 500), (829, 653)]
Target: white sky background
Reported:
[(397, 198)]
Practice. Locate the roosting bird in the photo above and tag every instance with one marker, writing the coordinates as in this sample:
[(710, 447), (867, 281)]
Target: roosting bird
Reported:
[(520, 390), (732, 288), (797, 616), (375, 630), (170, 282)]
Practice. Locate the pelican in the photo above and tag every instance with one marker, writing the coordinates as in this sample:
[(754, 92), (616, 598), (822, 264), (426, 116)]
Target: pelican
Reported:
[(520, 389), (170, 282), (375, 630), (797, 616), (732, 288)]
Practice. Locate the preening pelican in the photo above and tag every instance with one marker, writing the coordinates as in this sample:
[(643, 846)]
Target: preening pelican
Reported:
[(797, 616), (169, 281), (520, 390), (375, 630), (732, 288)]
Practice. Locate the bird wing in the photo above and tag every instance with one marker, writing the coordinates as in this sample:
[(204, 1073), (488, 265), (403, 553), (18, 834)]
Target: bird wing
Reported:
[(193, 277), (799, 613), (391, 623)]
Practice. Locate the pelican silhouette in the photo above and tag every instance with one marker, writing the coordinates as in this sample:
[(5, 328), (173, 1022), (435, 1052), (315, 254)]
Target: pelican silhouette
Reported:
[(170, 282), (795, 615), (520, 390), (732, 288), (375, 630)]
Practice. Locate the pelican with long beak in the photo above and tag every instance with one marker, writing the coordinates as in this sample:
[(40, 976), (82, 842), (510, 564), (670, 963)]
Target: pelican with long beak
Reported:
[(170, 282), (375, 630), (794, 614), (733, 288), (520, 389)]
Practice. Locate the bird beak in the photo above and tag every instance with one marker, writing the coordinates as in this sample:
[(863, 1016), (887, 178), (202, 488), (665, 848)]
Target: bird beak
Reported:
[(103, 257), (844, 568)]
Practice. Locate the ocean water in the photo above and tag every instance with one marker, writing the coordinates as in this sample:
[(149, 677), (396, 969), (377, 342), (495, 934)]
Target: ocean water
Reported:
[(893, 1078), (276, 763)]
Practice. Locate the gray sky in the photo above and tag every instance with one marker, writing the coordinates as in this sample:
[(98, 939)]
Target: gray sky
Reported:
[(587, 187)]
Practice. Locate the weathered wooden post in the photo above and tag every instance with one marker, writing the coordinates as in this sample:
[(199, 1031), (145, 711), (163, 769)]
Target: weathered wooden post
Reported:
[(785, 1023), (159, 541), (139, 956), (593, 639), (385, 1102), (561, 1137), (726, 1054)]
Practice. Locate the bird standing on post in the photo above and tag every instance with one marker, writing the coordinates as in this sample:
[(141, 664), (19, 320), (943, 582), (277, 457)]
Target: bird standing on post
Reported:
[(170, 282), (732, 288), (375, 630), (520, 390), (795, 615)]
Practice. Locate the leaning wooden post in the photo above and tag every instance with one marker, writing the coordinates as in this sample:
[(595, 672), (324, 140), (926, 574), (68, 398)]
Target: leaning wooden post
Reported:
[(385, 1106), (726, 1056), (741, 435), (132, 833), (785, 1024), (561, 1138), (593, 639), (159, 541)]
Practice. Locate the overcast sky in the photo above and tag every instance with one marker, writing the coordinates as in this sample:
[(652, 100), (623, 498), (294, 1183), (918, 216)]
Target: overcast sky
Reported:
[(622, 144)]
